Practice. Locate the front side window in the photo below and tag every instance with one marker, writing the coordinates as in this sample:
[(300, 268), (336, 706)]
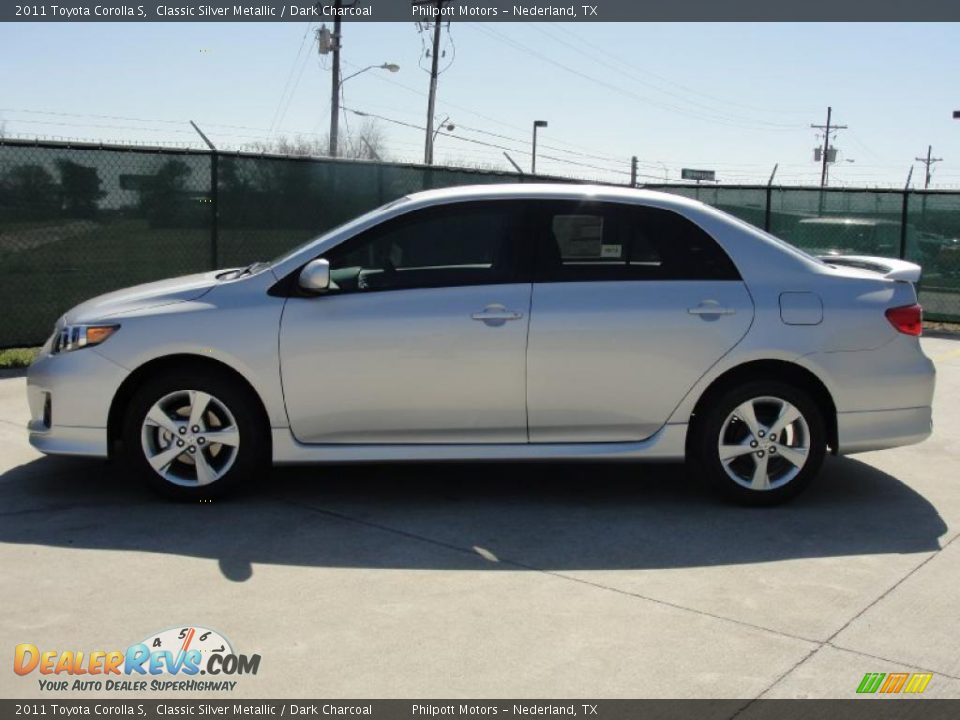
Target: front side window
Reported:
[(584, 241), (477, 243)]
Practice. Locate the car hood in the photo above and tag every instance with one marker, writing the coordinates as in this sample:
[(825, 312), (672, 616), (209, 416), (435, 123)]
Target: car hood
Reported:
[(143, 297)]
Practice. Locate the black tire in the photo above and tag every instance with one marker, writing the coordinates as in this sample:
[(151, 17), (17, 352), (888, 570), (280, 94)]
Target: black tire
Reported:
[(712, 419), (250, 458)]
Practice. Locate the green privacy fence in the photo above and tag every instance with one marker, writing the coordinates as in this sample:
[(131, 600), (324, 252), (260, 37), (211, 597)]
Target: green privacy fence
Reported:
[(922, 226), (80, 220)]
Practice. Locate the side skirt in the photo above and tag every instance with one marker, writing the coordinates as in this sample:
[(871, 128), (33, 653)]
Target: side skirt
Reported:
[(667, 444)]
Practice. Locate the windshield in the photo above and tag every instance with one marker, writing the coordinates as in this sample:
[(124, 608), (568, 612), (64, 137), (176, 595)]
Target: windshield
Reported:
[(357, 221)]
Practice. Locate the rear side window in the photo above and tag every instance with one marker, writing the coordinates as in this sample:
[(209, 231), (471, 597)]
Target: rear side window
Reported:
[(606, 241)]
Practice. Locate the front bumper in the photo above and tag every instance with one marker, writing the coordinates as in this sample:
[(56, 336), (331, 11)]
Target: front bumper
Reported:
[(78, 441), (69, 395)]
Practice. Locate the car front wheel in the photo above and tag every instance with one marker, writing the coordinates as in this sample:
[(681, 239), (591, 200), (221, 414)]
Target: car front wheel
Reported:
[(760, 443), (194, 435)]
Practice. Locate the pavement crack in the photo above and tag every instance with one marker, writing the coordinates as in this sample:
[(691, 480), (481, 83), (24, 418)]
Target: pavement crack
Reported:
[(778, 679), (889, 590), (892, 661), (829, 641)]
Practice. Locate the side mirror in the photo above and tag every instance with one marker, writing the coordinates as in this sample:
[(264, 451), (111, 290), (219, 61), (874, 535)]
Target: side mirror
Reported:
[(315, 276)]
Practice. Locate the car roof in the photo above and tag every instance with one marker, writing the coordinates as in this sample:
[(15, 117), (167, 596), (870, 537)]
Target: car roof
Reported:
[(846, 221), (560, 191)]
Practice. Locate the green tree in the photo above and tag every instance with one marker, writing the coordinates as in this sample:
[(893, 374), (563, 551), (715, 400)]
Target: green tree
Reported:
[(79, 189), (163, 197), (29, 192)]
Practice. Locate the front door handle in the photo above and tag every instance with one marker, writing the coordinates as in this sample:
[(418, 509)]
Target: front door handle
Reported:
[(710, 307), (496, 314)]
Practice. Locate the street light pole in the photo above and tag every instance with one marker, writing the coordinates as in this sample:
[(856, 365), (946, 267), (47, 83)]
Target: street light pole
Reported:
[(445, 124), (533, 156), (390, 67), (337, 85)]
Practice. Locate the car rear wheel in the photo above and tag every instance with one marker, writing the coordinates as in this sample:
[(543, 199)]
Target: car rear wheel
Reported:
[(760, 443), (194, 435)]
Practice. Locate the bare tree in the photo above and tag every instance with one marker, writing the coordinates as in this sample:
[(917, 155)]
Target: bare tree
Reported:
[(365, 142), (462, 162), (298, 146)]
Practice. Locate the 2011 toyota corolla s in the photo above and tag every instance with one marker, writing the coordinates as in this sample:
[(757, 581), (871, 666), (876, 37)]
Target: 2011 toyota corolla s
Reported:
[(509, 322)]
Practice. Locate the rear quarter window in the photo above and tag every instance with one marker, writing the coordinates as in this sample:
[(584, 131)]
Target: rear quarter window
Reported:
[(606, 241)]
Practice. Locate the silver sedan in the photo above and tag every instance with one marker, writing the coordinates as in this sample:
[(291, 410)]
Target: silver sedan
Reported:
[(507, 322)]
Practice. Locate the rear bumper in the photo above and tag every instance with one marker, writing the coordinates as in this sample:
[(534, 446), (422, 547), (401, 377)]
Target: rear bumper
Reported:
[(880, 429)]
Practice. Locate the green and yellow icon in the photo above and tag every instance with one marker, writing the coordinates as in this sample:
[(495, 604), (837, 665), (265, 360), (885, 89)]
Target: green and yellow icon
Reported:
[(892, 683)]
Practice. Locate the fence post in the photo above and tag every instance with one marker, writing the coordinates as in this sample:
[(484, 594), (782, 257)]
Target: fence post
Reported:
[(766, 212), (215, 216), (903, 224)]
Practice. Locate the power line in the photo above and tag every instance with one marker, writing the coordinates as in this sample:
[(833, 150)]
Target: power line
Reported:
[(292, 93), (492, 145), (471, 111), (582, 41), (619, 67), (293, 68), (500, 37)]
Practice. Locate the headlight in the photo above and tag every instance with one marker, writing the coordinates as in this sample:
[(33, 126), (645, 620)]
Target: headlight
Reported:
[(74, 337)]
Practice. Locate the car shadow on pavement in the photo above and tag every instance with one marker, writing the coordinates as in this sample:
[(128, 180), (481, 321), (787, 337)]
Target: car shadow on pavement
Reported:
[(553, 517)]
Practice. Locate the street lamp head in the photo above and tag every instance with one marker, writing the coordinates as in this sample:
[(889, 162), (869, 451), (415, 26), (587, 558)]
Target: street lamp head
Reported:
[(450, 127), (539, 123), (390, 67)]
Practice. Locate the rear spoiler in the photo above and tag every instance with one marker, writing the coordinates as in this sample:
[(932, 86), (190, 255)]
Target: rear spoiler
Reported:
[(888, 267)]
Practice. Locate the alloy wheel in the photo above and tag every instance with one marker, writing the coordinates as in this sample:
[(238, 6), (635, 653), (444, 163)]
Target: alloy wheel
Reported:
[(764, 443), (190, 438)]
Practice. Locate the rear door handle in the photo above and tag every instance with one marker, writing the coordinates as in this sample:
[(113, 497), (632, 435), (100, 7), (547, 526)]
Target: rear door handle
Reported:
[(496, 314), (710, 307)]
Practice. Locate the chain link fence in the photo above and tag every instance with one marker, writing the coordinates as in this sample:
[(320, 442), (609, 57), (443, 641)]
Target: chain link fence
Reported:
[(80, 220)]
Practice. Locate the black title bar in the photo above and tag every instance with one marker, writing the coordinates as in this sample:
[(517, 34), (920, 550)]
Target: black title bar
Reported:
[(873, 709), (481, 10)]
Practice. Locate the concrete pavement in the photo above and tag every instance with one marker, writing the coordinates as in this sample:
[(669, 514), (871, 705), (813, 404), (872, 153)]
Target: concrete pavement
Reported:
[(502, 580)]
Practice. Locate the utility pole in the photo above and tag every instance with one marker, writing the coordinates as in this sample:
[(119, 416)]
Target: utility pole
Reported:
[(432, 100), (928, 163), (827, 129), (335, 82), (633, 171)]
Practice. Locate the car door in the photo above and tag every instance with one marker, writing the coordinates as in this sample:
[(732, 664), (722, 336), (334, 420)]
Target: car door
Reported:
[(631, 305), (422, 339)]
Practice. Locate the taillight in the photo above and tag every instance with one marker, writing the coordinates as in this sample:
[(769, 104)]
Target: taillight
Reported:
[(907, 319)]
